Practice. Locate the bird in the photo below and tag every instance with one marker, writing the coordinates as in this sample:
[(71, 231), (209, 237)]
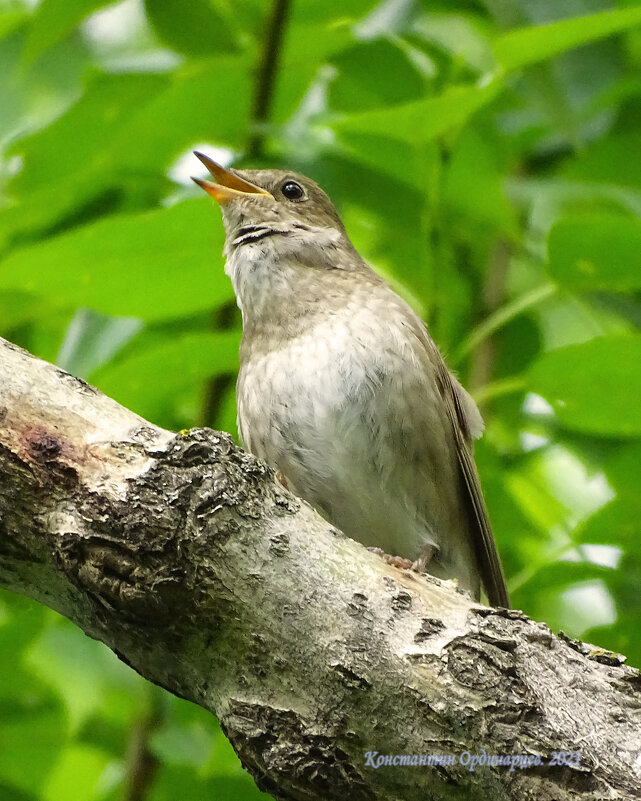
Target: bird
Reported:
[(341, 388)]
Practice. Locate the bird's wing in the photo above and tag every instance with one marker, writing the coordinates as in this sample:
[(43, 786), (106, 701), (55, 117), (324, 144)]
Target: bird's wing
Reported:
[(467, 423)]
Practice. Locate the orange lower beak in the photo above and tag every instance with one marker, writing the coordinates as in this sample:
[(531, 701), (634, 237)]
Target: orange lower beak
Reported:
[(230, 186)]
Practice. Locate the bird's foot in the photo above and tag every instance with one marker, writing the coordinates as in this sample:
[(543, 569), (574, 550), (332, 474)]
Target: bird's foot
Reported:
[(282, 478), (395, 561)]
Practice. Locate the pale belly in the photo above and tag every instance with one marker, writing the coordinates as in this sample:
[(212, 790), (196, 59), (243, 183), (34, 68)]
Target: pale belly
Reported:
[(364, 438)]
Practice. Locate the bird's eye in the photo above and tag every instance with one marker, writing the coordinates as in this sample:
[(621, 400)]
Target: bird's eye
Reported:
[(292, 190)]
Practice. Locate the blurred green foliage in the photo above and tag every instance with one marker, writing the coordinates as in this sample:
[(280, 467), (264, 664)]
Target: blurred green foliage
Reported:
[(486, 157)]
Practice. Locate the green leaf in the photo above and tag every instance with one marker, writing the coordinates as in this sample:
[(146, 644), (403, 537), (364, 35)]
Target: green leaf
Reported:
[(593, 387), (32, 95), (21, 621), (609, 161), (463, 36), (119, 139), (78, 141), (192, 108), (563, 573), (33, 730), (548, 200), (179, 782), (472, 171), (524, 46), (621, 470), (156, 265), (81, 767), (315, 40), (616, 523), (17, 308), (149, 381), (53, 20), (387, 18), (196, 27), (398, 81), (92, 339), (187, 744), (421, 120), (596, 251), (8, 793), (75, 666), (10, 20)]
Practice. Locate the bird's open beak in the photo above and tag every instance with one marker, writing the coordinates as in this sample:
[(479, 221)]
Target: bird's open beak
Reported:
[(229, 186)]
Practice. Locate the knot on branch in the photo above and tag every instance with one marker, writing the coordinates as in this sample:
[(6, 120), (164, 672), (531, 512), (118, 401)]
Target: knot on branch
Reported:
[(286, 755), (146, 551)]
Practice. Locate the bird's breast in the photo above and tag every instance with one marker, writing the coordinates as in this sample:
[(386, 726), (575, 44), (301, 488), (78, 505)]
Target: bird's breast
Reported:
[(301, 381), (352, 415), (336, 366)]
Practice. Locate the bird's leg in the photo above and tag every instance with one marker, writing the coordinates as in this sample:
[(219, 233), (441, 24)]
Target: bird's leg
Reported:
[(419, 565)]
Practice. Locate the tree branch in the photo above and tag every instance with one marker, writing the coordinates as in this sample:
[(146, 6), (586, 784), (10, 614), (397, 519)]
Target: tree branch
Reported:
[(186, 557), (266, 76)]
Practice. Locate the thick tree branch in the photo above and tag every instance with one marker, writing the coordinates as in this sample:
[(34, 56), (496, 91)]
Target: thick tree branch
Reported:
[(188, 559)]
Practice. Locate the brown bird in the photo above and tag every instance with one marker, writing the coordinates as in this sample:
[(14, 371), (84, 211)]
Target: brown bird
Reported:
[(341, 388)]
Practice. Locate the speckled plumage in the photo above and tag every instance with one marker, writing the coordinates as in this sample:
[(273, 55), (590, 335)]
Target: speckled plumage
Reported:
[(342, 390)]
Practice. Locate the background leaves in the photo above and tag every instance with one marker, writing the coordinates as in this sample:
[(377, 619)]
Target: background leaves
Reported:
[(485, 159)]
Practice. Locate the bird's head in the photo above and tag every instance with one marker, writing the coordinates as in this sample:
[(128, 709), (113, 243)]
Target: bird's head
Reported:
[(285, 244), (257, 204)]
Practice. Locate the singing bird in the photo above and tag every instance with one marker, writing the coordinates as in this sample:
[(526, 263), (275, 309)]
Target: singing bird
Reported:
[(341, 388)]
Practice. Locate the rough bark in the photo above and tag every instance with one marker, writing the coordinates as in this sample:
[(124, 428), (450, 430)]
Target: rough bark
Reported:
[(186, 557)]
